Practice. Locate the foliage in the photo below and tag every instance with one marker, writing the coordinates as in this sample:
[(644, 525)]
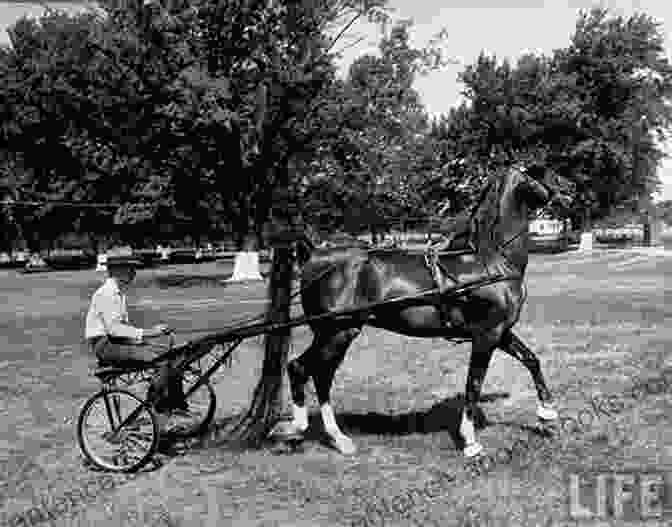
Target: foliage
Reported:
[(624, 80), (192, 110), (371, 152), (210, 116), (664, 211), (592, 112)]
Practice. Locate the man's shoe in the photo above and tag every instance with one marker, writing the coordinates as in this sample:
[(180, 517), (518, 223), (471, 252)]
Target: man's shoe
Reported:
[(182, 405), (170, 407), (180, 412)]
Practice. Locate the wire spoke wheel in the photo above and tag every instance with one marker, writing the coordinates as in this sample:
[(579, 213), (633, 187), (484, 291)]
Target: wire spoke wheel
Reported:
[(117, 431), (201, 405)]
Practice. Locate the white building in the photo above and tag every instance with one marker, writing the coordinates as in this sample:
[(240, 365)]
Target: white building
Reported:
[(545, 225)]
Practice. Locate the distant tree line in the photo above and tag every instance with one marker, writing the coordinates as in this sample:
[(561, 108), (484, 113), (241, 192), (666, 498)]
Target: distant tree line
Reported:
[(664, 211), (224, 117)]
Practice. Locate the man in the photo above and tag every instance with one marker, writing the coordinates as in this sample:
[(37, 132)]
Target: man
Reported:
[(115, 341)]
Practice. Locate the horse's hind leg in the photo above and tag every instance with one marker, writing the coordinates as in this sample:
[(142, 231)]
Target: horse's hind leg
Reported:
[(324, 364), (516, 348), (481, 352), (320, 361), (299, 372)]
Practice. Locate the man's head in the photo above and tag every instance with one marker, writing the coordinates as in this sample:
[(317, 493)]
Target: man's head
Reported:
[(122, 266)]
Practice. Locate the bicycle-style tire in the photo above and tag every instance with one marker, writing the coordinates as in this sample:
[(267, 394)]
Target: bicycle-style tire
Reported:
[(117, 404)]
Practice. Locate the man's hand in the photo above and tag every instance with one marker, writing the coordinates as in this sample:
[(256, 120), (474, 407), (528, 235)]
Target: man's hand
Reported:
[(163, 329), (158, 330)]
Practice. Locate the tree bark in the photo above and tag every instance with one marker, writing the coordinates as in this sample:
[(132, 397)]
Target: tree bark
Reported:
[(267, 401), (587, 220)]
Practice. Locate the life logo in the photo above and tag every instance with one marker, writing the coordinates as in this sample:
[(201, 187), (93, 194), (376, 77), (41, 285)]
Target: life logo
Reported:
[(632, 496)]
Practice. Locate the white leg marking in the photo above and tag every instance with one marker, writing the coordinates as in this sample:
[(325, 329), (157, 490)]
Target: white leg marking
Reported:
[(546, 412), (343, 443), (297, 426), (162, 420), (300, 417), (471, 446)]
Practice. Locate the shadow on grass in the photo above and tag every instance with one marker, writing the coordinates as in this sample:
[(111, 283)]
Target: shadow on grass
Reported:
[(444, 415)]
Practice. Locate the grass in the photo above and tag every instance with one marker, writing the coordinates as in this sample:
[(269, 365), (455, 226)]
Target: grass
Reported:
[(597, 324)]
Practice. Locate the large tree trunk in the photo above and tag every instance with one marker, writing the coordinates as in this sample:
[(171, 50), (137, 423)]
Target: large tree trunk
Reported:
[(267, 402)]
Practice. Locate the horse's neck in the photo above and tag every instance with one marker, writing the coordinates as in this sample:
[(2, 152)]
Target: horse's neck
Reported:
[(507, 235)]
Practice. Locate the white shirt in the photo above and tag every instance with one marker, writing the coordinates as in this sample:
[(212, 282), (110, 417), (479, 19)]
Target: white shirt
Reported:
[(107, 314)]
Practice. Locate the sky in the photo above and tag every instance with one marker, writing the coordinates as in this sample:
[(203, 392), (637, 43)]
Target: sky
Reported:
[(506, 28)]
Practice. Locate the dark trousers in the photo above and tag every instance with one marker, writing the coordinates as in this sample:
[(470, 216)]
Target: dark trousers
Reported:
[(166, 389)]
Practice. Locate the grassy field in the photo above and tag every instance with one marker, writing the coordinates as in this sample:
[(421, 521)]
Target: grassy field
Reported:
[(599, 323)]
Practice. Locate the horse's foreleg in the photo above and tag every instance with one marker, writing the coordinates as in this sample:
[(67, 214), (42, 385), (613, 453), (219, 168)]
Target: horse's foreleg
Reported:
[(516, 348), (481, 353), (324, 364)]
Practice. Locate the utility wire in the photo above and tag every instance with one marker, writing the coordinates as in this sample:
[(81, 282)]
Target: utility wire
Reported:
[(74, 204)]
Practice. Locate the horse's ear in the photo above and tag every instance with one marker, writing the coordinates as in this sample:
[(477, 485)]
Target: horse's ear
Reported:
[(533, 193)]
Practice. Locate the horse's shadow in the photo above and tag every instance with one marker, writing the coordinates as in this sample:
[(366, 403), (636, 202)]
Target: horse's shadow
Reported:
[(444, 415)]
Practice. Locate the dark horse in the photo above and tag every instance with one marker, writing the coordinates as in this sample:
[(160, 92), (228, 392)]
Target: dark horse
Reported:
[(344, 278)]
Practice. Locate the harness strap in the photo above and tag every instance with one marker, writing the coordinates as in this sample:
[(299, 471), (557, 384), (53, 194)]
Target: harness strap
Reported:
[(435, 268)]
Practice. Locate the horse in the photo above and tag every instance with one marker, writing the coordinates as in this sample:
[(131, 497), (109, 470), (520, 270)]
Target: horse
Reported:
[(345, 278)]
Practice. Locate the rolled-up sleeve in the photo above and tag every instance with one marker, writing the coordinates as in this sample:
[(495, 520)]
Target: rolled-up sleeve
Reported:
[(110, 312)]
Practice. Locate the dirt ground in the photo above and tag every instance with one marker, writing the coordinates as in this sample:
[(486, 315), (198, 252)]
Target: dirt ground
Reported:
[(600, 324)]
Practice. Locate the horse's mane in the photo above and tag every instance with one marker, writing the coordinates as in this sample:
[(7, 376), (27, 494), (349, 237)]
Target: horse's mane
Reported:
[(486, 214)]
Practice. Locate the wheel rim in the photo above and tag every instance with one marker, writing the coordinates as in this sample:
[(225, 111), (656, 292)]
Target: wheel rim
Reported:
[(117, 448)]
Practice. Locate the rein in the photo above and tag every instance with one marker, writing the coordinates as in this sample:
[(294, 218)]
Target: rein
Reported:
[(500, 246), (472, 249), (432, 257)]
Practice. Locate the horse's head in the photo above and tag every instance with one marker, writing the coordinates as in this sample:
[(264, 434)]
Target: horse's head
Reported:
[(537, 189), (531, 186)]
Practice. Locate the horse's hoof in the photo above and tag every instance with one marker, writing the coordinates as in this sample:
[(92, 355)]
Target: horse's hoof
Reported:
[(295, 442), (285, 431), (290, 445), (472, 450), (547, 413), (343, 444), (548, 429)]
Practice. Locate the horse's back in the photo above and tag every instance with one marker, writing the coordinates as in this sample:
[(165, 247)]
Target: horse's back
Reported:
[(328, 261)]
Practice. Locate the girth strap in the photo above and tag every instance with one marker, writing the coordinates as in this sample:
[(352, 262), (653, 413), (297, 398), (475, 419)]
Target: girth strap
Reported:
[(435, 268)]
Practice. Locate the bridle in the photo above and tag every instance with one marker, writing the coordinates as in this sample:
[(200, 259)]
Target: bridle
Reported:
[(498, 249), (540, 212), (500, 246)]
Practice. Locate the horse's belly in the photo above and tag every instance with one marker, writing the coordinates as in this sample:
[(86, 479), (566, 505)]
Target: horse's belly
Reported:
[(420, 321)]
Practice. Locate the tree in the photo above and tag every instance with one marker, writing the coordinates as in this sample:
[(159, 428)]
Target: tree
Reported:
[(664, 211), (591, 112), (86, 104), (169, 107), (622, 79), (372, 154), (295, 68)]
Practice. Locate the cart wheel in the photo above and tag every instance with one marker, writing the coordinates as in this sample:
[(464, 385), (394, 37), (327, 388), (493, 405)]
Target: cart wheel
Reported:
[(201, 404), (117, 431)]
